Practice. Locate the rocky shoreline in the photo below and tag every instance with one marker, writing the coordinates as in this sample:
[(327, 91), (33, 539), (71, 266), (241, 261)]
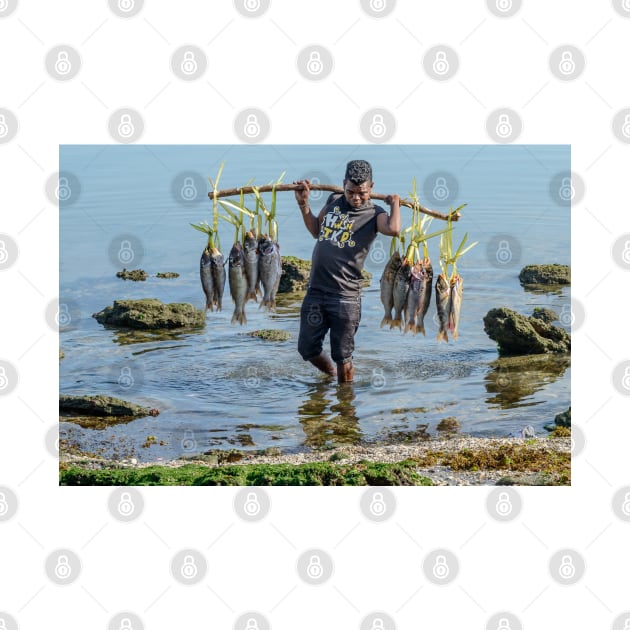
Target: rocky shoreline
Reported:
[(456, 460)]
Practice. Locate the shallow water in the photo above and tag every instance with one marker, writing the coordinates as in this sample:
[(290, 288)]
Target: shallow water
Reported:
[(219, 388)]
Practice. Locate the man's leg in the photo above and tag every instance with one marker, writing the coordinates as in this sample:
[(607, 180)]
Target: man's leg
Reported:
[(343, 327), (313, 328)]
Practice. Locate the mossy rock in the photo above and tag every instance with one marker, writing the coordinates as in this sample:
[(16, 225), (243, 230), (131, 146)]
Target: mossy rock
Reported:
[(518, 334), (99, 405), (269, 334), (135, 275), (545, 314), (562, 420), (150, 313), (167, 274), (296, 273), (545, 274), (448, 425)]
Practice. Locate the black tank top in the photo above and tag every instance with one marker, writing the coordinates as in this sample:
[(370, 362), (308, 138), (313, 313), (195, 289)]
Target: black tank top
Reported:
[(344, 241)]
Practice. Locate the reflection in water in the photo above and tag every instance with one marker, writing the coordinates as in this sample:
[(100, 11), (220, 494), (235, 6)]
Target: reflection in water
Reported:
[(328, 416), (127, 336), (512, 379)]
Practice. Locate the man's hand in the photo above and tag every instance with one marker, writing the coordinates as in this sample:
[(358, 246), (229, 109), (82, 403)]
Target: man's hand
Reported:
[(301, 194), (392, 199), (390, 225)]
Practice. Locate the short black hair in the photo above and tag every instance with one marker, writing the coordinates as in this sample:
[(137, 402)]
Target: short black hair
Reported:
[(358, 171)]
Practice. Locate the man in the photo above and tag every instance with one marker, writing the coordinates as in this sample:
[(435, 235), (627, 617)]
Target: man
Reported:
[(345, 229)]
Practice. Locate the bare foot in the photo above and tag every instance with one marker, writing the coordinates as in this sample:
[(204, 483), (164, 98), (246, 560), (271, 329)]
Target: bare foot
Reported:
[(323, 363), (345, 372)]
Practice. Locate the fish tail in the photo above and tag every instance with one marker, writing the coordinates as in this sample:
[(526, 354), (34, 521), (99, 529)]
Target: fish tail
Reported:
[(420, 328), (386, 320), (251, 295), (442, 336), (396, 323), (411, 326), (209, 305), (455, 333)]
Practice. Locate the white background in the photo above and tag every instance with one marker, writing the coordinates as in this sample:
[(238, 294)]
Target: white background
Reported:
[(377, 63)]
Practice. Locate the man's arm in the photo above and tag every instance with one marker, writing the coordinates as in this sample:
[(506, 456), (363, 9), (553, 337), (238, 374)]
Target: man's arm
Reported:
[(389, 224), (311, 222)]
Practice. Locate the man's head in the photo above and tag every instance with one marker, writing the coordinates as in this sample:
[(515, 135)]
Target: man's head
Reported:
[(357, 183)]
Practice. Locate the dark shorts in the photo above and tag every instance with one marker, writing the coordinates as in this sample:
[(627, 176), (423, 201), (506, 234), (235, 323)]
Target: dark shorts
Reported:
[(321, 313)]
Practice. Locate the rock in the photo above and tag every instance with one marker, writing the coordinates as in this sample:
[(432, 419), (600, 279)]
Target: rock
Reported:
[(519, 334), (167, 274), (296, 272), (150, 313), (270, 335), (545, 274), (136, 275), (448, 425), (563, 419), (102, 406), (545, 314)]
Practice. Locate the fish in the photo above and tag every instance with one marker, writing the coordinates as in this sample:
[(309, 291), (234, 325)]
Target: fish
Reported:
[(442, 302), (425, 294), (207, 281), (401, 288), (457, 292), (269, 270), (217, 263), (251, 265), (238, 282), (413, 297), (387, 286)]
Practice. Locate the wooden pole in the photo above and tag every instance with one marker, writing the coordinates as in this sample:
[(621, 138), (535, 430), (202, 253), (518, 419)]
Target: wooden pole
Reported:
[(246, 190)]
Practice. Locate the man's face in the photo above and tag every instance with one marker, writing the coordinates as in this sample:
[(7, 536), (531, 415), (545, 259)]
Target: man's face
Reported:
[(357, 195)]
